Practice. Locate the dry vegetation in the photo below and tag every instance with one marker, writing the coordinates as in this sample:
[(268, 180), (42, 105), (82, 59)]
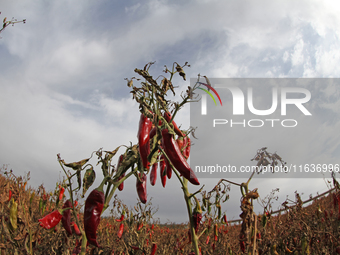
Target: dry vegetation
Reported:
[(313, 229)]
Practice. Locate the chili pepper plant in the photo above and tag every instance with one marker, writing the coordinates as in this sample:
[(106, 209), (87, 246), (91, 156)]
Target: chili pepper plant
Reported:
[(160, 141)]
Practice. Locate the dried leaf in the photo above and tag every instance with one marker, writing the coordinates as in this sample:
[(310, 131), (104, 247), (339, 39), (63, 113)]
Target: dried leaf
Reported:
[(181, 71), (13, 214), (89, 177), (79, 179), (76, 165)]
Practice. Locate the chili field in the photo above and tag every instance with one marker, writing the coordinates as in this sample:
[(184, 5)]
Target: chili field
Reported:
[(312, 229)]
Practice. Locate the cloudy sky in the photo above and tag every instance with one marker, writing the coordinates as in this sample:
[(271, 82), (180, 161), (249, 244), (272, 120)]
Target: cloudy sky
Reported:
[(62, 86)]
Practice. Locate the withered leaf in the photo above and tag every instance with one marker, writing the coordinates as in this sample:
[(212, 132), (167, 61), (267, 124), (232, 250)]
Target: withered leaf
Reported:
[(76, 165), (181, 71), (89, 177), (79, 179)]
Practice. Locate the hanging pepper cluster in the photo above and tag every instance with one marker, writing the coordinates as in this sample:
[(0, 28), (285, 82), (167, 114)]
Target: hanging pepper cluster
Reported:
[(160, 139)]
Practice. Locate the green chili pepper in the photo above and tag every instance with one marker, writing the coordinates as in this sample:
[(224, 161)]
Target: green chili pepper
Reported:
[(219, 210)]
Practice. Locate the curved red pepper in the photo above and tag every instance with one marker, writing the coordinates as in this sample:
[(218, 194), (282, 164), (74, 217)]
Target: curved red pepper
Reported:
[(121, 218), (162, 170), (167, 116), (50, 220), (177, 159), (93, 208), (143, 136), (141, 188), (66, 219), (153, 174)]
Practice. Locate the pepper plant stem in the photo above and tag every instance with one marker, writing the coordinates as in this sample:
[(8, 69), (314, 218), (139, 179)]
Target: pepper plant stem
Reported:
[(115, 186), (187, 196), (84, 239)]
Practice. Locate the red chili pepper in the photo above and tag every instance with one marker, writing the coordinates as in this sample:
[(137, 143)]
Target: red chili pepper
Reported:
[(9, 195), (177, 159), (93, 208), (135, 248), (141, 188), (187, 146), (225, 219), (121, 230), (243, 246), (197, 217), (143, 136), (139, 227), (180, 143), (207, 241), (121, 186), (337, 250), (152, 132), (153, 249), (61, 193), (121, 218), (50, 220), (66, 219), (168, 168), (258, 235), (162, 170), (75, 228), (153, 174), (167, 116)]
